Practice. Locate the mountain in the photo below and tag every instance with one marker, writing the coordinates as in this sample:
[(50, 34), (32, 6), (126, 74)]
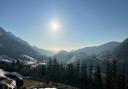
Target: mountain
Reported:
[(62, 52), (12, 48), (43, 51), (99, 49), (87, 53), (122, 50), (63, 56)]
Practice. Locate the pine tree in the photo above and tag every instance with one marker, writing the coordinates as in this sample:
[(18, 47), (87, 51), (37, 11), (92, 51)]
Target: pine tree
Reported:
[(108, 77), (49, 69), (122, 79), (98, 78), (91, 83), (77, 73), (114, 74), (83, 77), (55, 69), (43, 71), (70, 73)]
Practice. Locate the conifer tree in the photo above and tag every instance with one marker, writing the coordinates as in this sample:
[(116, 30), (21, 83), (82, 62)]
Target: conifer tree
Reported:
[(122, 79), (83, 78), (77, 73), (98, 78), (91, 83), (108, 77), (70, 73), (114, 74)]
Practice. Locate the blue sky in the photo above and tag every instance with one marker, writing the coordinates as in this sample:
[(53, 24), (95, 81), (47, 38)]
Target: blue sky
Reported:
[(84, 22)]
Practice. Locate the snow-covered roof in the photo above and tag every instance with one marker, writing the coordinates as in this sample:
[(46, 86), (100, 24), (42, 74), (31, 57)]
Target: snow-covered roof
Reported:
[(2, 72)]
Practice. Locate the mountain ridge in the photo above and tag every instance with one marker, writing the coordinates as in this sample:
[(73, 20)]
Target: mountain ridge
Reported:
[(14, 46)]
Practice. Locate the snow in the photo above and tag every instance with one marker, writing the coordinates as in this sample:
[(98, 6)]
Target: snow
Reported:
[(12, 85), (42, 63), (30, 62), (5, 60), (2, 72), (31, 58), (16, 74)]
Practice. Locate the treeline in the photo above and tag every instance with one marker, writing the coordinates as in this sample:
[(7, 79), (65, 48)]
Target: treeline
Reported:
[(79, 74)]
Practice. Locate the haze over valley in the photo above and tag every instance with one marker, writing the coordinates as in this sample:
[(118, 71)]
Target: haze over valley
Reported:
[(63, 44)]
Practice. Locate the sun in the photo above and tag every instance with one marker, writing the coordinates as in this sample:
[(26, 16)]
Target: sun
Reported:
[(55, 26)]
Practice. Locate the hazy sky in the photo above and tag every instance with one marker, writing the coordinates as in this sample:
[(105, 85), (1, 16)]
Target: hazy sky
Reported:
[(83, 22)]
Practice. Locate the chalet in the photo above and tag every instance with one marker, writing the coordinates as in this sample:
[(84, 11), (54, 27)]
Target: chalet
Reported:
[(10, 80)]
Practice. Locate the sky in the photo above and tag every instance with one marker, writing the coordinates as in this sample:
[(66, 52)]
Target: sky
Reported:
[(82, 23)]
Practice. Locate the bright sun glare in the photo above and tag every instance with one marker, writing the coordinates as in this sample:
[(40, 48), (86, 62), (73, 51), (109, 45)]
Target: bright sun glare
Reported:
[(55, 26)]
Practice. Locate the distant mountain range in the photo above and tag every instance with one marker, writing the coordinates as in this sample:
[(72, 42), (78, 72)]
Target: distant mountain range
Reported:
[(99, 49), (15, 48), (107, 51)]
